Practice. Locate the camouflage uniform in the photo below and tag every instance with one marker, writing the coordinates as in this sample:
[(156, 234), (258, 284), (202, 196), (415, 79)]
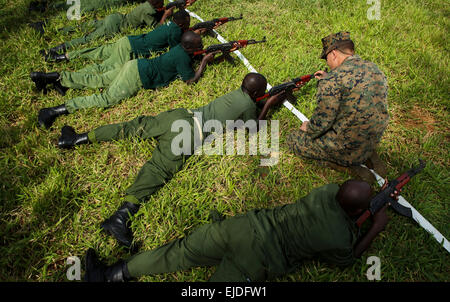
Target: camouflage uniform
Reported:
[(350, 117)]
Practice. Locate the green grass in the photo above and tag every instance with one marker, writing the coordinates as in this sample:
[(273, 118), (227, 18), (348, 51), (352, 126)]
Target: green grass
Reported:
[(52, 201)]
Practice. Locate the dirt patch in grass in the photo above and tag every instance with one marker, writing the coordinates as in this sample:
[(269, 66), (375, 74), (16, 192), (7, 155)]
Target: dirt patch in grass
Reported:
[(422, 119)]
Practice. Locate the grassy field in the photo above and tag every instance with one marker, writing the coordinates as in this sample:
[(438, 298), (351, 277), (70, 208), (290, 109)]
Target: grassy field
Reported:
[(52, 201)]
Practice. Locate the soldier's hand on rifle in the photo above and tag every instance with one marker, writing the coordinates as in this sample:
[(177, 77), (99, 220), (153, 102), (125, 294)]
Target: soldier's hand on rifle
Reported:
[(276, 99), (396, 194), (167, 14), (386, 182), (200, 31), (320, 74), (209, 57), (380, 219)]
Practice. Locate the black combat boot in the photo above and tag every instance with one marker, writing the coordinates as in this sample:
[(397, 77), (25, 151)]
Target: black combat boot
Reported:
[(38, 6), (96, 271), (54, 57), (42, 79), (47, 116), (118, 224), (60, 88), (38, 26), (69, 138), (61, 48)]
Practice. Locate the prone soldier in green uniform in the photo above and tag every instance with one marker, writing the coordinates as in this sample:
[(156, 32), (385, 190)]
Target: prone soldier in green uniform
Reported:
[(351, 113), (165, 162), (131, 47), (85, 5), (262, 244), (145, 14), (125, 81)]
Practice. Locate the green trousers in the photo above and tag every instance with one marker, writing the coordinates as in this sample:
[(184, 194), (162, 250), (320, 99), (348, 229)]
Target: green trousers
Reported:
[(88, 5), (113, 55), (121, 82), (231, 245), (100, 28), (163, 163)]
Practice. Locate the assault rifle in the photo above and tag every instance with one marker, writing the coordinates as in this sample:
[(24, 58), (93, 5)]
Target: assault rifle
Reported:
[(178, 4), (213, 24), (288, 87), (390, 194), (226, 48)]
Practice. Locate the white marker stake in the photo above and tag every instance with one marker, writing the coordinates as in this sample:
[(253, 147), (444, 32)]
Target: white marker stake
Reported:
[(416, 215), (247, 64)]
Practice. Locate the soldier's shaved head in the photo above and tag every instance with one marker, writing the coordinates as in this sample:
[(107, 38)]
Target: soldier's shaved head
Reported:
[(182, 19), (354, 196), (191, 41), (254, 84)]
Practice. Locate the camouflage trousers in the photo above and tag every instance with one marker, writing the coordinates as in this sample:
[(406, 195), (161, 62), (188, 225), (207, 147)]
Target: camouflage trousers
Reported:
[(328, 148)]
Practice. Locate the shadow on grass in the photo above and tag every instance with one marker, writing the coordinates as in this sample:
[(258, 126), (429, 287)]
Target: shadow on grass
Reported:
[(27, 241), (9, 136), (14, 18)]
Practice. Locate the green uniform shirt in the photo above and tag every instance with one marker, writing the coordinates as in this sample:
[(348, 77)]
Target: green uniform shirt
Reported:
[(232, 106), (143, 14), (315, 225), (167, 35), (164, 69)]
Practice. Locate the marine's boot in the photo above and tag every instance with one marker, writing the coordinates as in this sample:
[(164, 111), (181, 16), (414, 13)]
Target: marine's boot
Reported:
[(375, 163), (118, 224), (96, 271), (47, 116), (362, 173), (69, 138), (42, 79), (357, 172)]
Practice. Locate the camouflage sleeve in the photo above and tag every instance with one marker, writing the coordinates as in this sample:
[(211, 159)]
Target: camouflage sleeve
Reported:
[(328, 96)]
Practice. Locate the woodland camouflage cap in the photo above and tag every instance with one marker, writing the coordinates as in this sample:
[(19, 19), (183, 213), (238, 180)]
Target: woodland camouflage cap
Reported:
[(333, 41)]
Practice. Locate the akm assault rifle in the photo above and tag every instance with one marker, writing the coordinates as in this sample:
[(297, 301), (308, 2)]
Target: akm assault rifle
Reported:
[(213, 24), (390, 194), (288, 87), (178, 4), (226, 48)]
